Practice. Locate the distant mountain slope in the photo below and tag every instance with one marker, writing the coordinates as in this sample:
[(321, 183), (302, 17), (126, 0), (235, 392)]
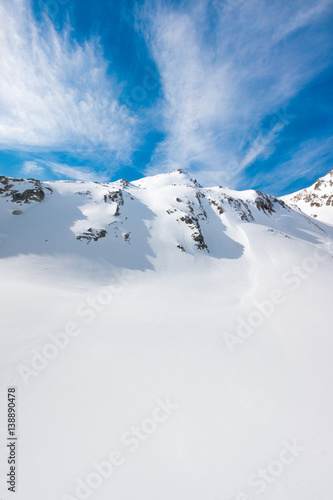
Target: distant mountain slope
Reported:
[(138, 225), (316, 200)]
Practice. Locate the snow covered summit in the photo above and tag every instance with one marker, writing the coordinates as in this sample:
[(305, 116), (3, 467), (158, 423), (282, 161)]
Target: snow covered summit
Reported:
[(316, 200), (138, 225)]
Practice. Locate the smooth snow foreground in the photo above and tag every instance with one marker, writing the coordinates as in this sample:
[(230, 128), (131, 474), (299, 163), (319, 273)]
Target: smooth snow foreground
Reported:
[(167, 341)]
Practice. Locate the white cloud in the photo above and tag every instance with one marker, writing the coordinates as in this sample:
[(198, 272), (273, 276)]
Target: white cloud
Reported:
[(301, 19), (312, 156), (224, 65), (54, 93), (221, 84), (62, 170), (32, 168), (77, 173)]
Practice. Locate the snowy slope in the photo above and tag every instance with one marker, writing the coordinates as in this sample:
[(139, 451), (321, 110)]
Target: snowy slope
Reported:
[(316, 200), (139, 225), (166, 341)]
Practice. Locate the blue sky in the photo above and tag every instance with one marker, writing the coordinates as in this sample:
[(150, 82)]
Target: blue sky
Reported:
[(236, 92)]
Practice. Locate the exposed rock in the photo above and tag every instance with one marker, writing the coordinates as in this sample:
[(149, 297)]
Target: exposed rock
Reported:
[(199, 196), (33, 194), (189, 206), (29, 195), (124, 183), (263, 203), (86, 193), (241, 208), (314, 199), (116, 196), (196, 234), (91, 234), (187, 219), (217, 205)]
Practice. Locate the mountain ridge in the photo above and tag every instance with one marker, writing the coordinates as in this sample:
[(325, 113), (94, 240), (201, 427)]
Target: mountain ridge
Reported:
[(315, 200), (133, 223)]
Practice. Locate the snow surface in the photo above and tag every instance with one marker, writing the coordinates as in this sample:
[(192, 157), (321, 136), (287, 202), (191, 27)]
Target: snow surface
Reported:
[(153, 321)]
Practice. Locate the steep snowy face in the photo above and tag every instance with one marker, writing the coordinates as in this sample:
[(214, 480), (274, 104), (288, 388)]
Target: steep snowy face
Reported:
[(316, 200), (139, 225)]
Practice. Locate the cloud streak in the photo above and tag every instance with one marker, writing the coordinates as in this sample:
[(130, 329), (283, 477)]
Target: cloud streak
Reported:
[(221, 84), (312, 158), (227, 72), (56, 95), (62, 170), (32, 168)]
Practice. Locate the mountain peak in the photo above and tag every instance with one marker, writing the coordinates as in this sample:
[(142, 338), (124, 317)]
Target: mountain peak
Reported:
[(138, 224), (316, 200), (174, 177)]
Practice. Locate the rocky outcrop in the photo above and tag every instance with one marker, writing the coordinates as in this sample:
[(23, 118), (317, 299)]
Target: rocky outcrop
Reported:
[(316, 199), (15, 190), (264, 203), (91, 234)]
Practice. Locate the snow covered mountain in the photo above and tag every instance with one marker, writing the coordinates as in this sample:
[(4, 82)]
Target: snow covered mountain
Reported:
[(138, 225), (316, 200), (165, 341)]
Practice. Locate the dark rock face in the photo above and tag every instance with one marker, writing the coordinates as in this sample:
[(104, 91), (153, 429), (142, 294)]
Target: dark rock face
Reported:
[(264, 203), (241, 208), (323, 182), (217, 205), (187, 220), (196, 235), (316, 196), (199, 239), (315, 200), (281, 202), (6, 184), (115, 197), (92, 235), (31, 195), (329, 200)]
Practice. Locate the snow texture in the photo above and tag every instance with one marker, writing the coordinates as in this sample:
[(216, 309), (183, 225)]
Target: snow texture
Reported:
[(186, 328)]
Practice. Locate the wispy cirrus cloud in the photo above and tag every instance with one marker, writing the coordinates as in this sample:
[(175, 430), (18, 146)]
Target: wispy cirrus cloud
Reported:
[(55, 94), (301, 19), (311, 157), (223, 83), (212, 94), (62, 170), (32, 168), (74, 172)]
